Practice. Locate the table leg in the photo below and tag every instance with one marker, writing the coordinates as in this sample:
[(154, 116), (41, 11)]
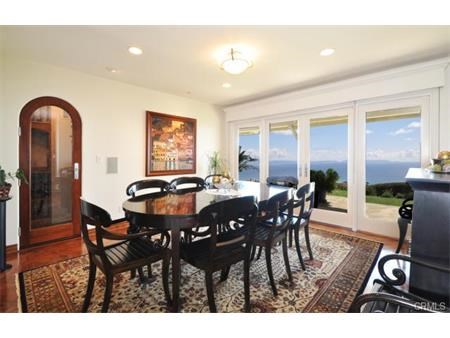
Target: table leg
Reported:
[(175, 233)]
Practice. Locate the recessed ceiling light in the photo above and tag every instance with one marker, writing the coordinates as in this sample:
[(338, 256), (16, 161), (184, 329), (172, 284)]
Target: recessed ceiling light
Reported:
[(327, 52), (111, 70), (135, 50), (226, 85)]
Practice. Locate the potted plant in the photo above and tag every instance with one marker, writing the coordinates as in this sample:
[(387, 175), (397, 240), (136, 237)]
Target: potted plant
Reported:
[(215, 165), (325, 182), (5, 187)]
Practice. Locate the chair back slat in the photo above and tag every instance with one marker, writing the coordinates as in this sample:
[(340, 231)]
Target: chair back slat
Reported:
[(186, 182), (92, 214), (272, 209), (158, 184), (231, 224), (306, 193)]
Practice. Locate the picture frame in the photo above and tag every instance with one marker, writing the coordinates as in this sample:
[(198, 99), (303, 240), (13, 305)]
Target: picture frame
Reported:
[(171, 143)]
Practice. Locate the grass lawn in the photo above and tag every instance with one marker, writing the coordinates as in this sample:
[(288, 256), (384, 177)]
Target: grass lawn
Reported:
[(372, 199)]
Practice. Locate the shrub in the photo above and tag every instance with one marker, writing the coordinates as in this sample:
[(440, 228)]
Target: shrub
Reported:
[(387, 193)]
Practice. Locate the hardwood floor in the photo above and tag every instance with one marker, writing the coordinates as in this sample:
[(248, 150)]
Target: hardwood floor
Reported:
[(52, 253)]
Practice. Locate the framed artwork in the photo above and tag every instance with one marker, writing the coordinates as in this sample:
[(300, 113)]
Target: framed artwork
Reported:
[(170, 145)]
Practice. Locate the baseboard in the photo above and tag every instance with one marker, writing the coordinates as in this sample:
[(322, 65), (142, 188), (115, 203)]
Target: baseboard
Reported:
[(340, 227), (11, 249)]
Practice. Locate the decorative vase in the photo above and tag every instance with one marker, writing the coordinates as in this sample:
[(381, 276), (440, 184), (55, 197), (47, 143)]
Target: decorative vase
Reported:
[(4, 190)]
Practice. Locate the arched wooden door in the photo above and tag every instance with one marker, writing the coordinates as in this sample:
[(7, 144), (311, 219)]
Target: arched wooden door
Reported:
[(50, 155)]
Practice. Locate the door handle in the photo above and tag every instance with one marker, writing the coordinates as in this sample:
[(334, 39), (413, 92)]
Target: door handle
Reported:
[(76, 171)]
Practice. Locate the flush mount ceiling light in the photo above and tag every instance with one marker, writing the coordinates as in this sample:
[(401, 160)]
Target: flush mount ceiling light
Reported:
[(226, 85), (235, 63), (327, 52), (135, 50)]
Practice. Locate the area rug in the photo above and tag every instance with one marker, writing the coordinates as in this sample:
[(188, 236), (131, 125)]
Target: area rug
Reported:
[(332, 280)]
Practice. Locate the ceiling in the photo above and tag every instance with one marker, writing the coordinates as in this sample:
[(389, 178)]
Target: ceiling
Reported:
[(182, 59)]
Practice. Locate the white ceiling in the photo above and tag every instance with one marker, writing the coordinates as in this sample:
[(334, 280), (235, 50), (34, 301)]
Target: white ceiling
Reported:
[(181, 59)]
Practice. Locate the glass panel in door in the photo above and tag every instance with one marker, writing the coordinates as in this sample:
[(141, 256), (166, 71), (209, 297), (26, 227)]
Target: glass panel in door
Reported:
[(283, 152), (392, 147), (51, 167), (329, 162), (249, 149)]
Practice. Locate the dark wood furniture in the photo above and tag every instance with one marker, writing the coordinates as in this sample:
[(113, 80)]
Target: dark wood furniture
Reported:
[(136, 186), (182, 145), (430, 234), (177, 212), (388, 294), (32, 236), (3, 265), (128, 252), (187, 182), (209, 180), (405, 212), (305, 203), (151, 184), (225, 238), (273, 223)]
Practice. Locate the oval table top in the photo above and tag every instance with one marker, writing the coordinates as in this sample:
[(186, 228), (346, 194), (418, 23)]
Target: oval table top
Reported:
[(190, 202)]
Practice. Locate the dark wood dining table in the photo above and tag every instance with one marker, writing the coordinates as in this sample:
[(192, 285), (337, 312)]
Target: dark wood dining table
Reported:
[(176, 211)]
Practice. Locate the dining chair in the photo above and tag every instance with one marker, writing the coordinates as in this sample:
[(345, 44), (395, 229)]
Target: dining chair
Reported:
[(304, 203), (209, 180), (186, 183), (126, 252), (150, 186), (159, 185), (227, 231), (272, 229)]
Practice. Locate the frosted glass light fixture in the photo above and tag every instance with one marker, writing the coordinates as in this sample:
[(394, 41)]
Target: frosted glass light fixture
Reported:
[(235, 63)]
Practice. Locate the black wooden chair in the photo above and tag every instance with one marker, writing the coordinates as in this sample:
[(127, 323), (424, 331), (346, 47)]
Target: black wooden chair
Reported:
[(388, 295), (228, 228), (304, 203), (274, 221), (405, 211), (152, 184), (149, 186), (186, 183), (125, 253), (209, 180)]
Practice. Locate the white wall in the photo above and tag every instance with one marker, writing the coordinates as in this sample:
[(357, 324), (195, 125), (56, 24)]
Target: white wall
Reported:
[(113, 120)]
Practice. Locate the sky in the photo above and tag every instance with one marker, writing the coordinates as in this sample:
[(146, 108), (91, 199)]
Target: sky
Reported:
[(391, 140)]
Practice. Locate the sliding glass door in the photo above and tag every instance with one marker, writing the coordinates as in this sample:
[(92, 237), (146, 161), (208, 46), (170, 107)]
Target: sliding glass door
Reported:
[(357, 156), (394, 134), (326, 162)]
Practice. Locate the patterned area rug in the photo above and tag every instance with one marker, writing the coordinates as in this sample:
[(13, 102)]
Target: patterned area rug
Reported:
[(330, 283)]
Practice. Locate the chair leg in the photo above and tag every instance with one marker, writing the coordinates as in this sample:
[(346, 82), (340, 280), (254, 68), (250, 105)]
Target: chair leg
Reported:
[(269, 270), (149, 270), (290, 237), (259, 253), (402, 227), (210, 291), (108, 293), (224, 274), (286, 259), (253, 252), (141, 275), (165, 279), (297, 247), (247, 284), (308, 243), (132, 274), (90, 286)]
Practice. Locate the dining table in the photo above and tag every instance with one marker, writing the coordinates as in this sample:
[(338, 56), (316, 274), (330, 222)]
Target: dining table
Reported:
[(178, 210)]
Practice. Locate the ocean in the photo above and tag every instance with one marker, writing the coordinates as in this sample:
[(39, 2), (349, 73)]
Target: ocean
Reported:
[(376, 171)]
